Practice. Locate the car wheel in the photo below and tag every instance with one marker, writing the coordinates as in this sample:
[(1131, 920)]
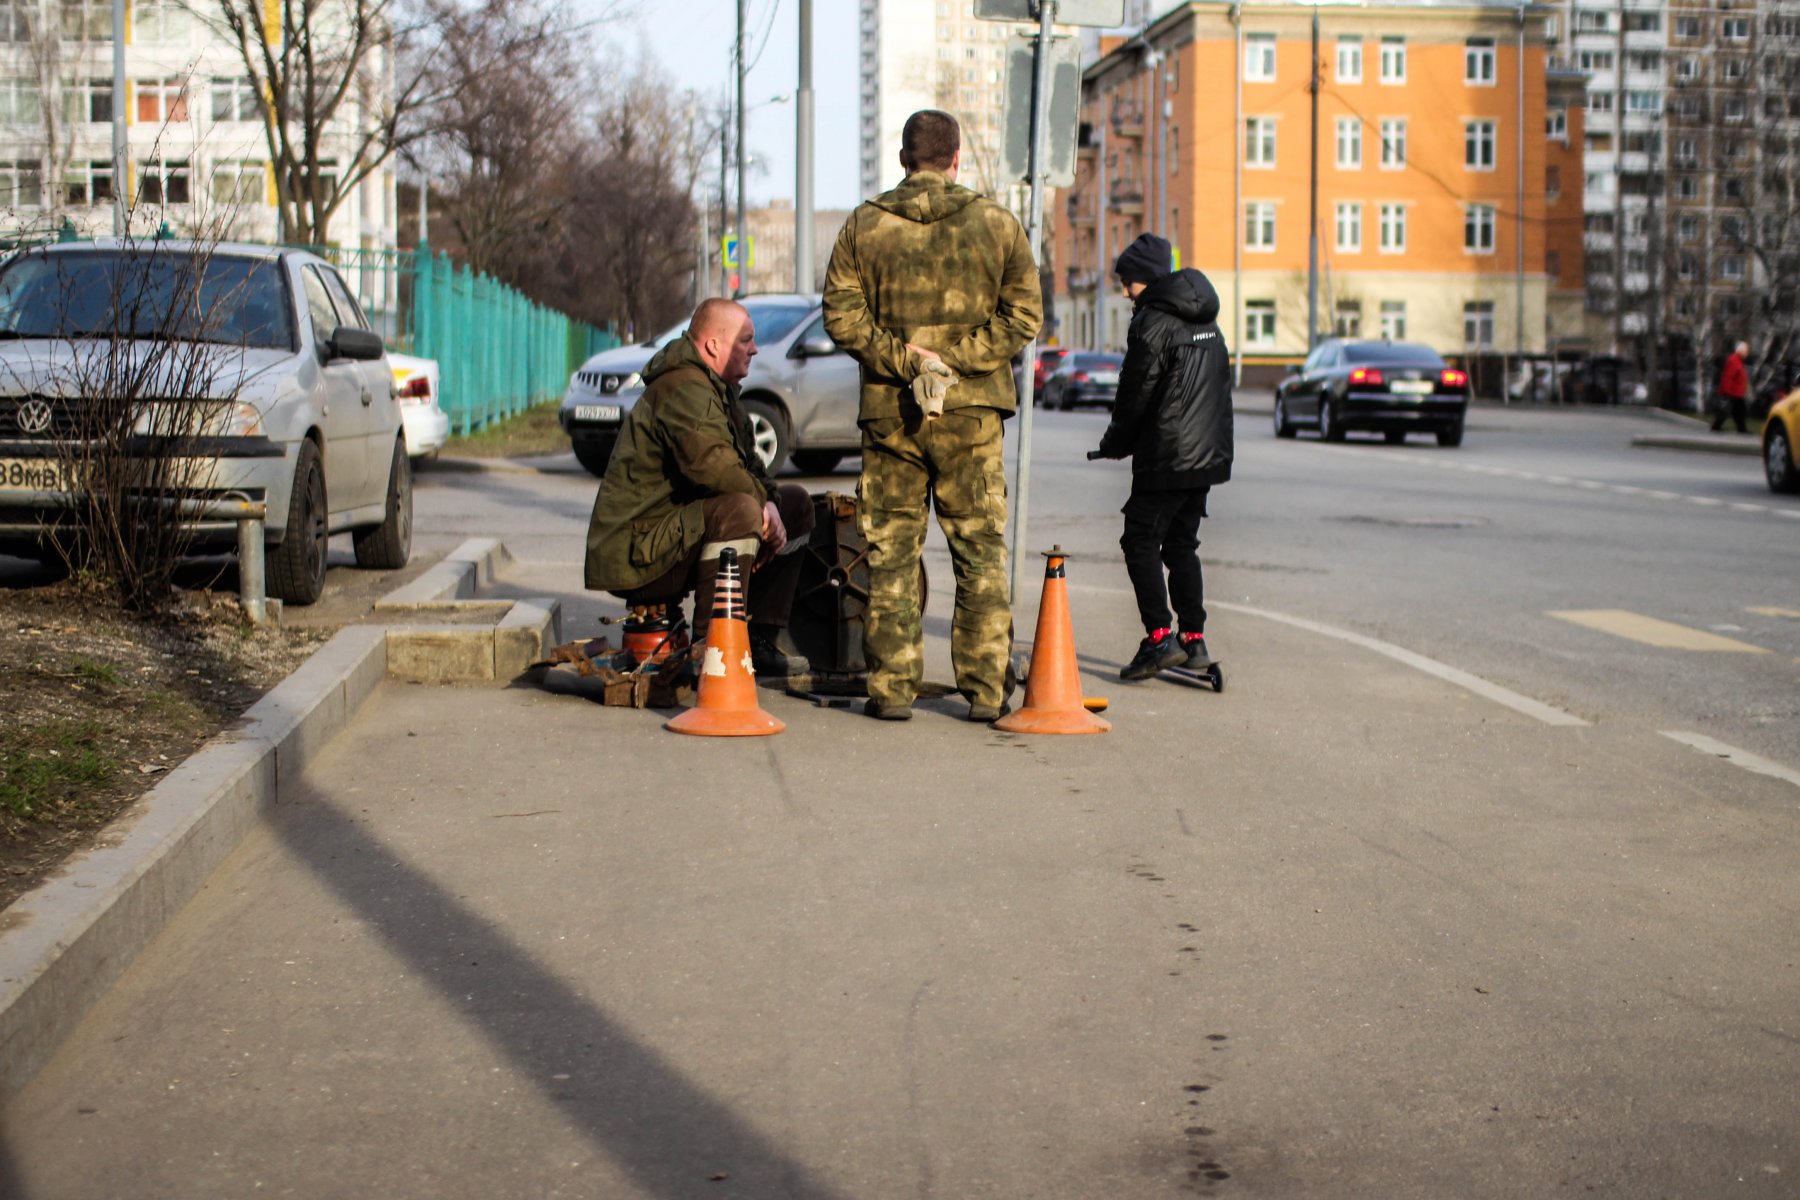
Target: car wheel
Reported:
[(297, 568), (1778, 461), (817, 462), (1450, 435), (1330, 428), (1283, 427), (387, 546), (594, 453), (768, 433), (1394, 437)]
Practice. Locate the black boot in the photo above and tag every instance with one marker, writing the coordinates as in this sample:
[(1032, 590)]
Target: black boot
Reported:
[(768, 657), (1195, 647), (1153, 655)]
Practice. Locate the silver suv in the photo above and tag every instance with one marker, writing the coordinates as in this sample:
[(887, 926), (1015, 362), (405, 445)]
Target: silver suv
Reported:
[(257, 357), (802, 393)]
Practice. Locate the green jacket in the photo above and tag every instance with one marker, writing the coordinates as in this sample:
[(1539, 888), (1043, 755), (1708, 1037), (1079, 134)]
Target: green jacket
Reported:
[(935, 264), (686, 439)]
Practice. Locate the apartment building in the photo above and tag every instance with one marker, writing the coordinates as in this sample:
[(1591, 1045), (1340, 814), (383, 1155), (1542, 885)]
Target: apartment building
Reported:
[(1435, 217), (933, 54), (198, 157)]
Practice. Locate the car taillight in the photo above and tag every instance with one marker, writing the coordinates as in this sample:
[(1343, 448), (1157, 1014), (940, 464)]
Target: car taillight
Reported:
[(416, 388), (1079, 377), (1368, 375), (1453, 378)]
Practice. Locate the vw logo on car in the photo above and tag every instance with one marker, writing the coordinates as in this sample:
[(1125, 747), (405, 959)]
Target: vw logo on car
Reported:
[(34, 416)]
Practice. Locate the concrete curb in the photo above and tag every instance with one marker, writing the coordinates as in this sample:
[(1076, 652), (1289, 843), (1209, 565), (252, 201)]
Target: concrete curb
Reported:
[(1701, 444), (64, 943)]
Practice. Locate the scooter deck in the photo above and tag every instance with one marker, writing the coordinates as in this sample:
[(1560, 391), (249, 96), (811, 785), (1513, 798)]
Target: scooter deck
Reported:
[(1210, 674)]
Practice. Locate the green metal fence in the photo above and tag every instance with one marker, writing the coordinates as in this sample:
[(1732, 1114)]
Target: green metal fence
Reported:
[(498, 352)]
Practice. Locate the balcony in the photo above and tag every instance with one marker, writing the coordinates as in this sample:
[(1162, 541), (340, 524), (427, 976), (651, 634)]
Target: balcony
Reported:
[(1081, 280), (1128, 120), (1128, 203)]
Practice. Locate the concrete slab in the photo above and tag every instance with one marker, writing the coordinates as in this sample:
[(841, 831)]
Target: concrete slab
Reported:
[(440, 653), (526, 634)]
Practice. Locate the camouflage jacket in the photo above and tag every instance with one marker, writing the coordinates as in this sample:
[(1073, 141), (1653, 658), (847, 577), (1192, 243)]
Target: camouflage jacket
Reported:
[(934, 264), (686, 439)]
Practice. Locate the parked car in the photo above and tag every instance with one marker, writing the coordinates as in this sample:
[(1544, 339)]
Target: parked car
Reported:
[(607, 384), (291, 395), (427, 425), (1393, 388), (802, 394), (1048, 359), (1780, 436), (1083, 377)]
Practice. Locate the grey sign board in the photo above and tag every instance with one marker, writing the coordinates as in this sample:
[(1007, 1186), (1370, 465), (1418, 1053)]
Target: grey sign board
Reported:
[(1105, 13), (1065, 111)]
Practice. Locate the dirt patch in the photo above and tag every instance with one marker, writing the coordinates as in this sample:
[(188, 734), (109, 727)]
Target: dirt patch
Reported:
[(100, 704)]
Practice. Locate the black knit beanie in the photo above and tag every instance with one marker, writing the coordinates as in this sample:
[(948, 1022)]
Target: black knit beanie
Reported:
[(1144, 261)]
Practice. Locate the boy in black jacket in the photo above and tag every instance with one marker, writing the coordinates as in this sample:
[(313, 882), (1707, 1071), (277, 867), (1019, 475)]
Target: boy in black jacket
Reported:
[(1173, 419)]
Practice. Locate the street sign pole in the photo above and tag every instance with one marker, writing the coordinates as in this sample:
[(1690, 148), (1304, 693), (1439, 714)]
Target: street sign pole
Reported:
[(1034, 228)]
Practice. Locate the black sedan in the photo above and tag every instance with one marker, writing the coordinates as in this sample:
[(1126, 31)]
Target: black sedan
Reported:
[(1391, 388), (1083, 377)]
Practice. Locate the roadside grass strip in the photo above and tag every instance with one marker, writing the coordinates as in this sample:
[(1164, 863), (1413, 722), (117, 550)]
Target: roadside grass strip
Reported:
[(1665, 635), (1734, 756)]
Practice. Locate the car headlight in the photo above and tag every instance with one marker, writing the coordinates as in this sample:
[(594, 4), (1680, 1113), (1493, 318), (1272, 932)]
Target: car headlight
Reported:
[(204, 418), (635, 379)]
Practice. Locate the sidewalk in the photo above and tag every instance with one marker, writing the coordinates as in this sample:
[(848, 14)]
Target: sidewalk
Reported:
[(1338, 930)]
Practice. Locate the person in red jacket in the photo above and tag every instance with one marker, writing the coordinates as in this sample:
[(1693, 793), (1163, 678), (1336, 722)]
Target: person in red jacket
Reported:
[(1734, 386)]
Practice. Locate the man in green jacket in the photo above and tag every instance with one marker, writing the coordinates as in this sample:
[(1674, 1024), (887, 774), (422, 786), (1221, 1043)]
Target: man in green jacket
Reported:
[(685, 483), (932, 289)]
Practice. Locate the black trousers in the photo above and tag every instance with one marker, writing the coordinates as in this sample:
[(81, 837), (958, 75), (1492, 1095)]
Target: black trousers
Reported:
[(1733, 407), (1162, 530)]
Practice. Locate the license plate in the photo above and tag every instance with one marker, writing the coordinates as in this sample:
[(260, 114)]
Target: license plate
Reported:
[(1104, 377), (598, 412), (1411, 387), (35, 475)]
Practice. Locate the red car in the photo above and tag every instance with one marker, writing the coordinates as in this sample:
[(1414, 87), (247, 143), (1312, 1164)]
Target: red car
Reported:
[(1048, 359)]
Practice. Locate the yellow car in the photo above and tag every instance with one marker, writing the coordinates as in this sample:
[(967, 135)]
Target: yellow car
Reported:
[(1781, 434)]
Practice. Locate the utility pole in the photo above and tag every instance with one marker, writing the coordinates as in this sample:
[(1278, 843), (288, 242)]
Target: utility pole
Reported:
[(121, 151), (803, 159), (1038, 170), (724, 191), (1312, 231), (743, 240)]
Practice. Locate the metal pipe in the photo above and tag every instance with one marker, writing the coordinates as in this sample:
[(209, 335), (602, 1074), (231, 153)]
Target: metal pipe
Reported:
[(121, 150), (1312, 210), (803, 159), (743, 239), (252, 594), (1519, 222), (1040, 140), (1237, 200)]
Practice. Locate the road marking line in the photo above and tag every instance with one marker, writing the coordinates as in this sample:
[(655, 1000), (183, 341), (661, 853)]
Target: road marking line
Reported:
[(1793, 614), (1734, 756), (1652, 632), (1750, 507)]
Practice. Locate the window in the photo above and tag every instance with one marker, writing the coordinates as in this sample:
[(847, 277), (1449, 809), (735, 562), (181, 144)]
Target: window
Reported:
[(1393, 143), (1259, 322), (1393, 229), (1552, 180), (1731, 267), (1687, 69), (1594, 60), (1349, 227), (159, 21), (1687, 267), (1731, 70), (1688, 228), (1478, 229), (15, 20), (1478, 145), (1259, 141), (1644, 60), (88, 183), (1732, 109), (1349, 58), (1731, 306), (240, 184), (1643, 102), (88, 101), (1259, 225), (1731, 228), (160, 100), (1734, 29), (1174, 149), (318, 305), (1393, 60), (1349, 143), (235, 100), (1556, 124), (87, 20), (21, 183), (1734, 188), (1686, 152), (1687, 27), (1478, 62), (1346, 319), (1599, 102), (1589, 20), (1553, 264), (1259, 57), (1393, 320), (1643, 22), (165, 183), (20, 102), (1478, 323), (1687, 188)]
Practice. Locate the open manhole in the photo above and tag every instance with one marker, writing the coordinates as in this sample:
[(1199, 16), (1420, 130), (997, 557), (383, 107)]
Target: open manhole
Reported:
[(1417, 522)]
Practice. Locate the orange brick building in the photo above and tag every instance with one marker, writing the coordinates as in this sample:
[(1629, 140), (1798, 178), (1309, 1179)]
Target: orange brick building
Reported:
[(1434, 148)]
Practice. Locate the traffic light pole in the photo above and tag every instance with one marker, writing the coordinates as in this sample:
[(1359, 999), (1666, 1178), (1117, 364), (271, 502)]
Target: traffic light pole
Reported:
[(1034, 228)]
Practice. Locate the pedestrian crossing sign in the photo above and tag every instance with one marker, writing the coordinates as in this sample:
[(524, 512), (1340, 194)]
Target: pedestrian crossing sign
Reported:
[(728, 248)]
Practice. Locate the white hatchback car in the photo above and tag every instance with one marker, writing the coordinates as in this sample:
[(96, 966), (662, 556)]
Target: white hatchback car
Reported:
[(259, 355)]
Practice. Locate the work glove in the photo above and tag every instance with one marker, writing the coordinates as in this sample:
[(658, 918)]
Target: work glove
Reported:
[(930, 386)]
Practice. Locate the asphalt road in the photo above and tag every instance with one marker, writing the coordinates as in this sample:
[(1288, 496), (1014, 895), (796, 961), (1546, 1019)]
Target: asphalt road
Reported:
[(1359, 926)]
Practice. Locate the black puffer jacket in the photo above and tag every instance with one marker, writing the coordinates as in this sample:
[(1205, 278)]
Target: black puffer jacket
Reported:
[(1173, 413)]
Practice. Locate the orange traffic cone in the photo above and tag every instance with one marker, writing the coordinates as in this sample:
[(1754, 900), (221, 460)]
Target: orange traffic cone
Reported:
[(1053, 701), (727, 703)]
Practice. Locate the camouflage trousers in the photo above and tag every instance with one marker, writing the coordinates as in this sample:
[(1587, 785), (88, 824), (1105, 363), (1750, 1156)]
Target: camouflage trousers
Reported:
[(951, 464)]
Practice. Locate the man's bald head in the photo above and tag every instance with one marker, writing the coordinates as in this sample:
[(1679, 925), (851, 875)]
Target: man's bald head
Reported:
[(724, 336)]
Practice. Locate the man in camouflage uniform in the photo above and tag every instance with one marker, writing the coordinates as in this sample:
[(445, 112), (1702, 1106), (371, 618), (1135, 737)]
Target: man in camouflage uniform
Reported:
[(932, 289)]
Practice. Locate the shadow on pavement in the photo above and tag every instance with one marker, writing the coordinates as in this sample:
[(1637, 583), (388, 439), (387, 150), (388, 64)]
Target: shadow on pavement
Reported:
[(658, 1126)]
